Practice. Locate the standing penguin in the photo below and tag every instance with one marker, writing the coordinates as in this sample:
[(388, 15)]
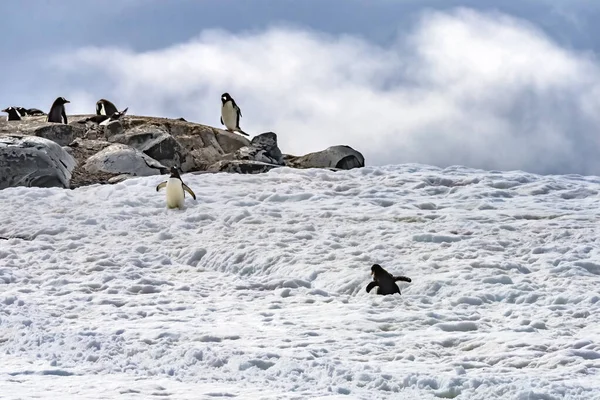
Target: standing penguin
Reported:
[(57, 111), (175, 190), (13, 114), (230, 114), (105, 107), (385, 281)]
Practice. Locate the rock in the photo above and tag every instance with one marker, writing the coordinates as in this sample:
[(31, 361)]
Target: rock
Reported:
[(263, 148), (154, 142), (33, 161), (340, 157), (113, 128), (122, 159), (59, 133), (241, 166)]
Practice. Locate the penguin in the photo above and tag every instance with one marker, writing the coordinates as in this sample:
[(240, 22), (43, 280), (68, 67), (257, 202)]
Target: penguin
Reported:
[(34, 112), (230, 114), (105, 107), (385, 281), (115, 116), (175, 190), (22, 111), (13, 114), (104, 119), (57, 111)]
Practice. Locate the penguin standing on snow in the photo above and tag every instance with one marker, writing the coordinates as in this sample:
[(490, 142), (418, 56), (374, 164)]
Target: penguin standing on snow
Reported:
[(385, 281), (13, 114), (105, 107), (230, 114), (175, 190), (57, 111)]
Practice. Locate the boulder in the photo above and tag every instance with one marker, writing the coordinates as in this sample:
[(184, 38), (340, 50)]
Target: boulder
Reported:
[(155, 142), (33, 161), (339, 157), (241, 167), (123, 159), (263, 148), (59, 133)]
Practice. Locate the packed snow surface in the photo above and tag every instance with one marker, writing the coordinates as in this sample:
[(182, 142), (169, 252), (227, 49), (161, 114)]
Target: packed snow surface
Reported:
[(257, 289)]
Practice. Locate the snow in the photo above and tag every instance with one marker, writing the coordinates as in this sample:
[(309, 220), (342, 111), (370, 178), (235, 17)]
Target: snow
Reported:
[(257, 289)]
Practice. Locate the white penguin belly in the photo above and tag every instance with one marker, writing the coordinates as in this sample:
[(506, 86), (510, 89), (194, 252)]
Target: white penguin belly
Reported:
[(175, 196), (229, 116)]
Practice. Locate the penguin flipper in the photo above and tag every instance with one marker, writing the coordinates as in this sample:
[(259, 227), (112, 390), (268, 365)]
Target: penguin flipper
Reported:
[(190, 191), (371, 285), (64, 115), (402, 278), (161, 185), (222, 121)]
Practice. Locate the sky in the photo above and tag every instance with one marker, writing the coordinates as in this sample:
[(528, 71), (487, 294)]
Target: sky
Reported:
[(497, 85)]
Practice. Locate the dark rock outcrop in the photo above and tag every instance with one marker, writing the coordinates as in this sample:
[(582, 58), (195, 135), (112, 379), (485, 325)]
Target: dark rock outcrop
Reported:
[(263, 148), (139, 146), (33, 161), (338, 157)]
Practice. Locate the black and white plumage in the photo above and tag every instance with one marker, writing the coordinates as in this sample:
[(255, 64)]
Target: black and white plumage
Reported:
[(57, 111), (13, 114), (230, 114), (105, 107), (105, 119), (385, 281), (34, 112), (175, 190)]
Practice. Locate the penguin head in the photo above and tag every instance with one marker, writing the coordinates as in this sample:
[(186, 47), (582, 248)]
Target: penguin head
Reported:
[(225, 97), (376, 269), (13, 112), (61, 100), (175, 172), (21, 110)]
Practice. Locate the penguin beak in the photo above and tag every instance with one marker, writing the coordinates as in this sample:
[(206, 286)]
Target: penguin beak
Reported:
[(67, 101)]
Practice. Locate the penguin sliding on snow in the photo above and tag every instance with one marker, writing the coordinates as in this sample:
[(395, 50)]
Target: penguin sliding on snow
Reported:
[(13, 114), (175, 190), (57, 111), (385, 281), (230, 114)]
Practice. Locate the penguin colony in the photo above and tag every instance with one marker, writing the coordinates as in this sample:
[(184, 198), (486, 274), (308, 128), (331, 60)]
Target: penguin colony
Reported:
[(175, 189)]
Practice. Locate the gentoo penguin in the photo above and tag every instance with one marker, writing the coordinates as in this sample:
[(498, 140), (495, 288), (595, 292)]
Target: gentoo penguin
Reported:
[(114, 117), (34, 111), (175, 190), (105, 107), (105, 119), (13, 114), (385, 281), (22, 111), (230, 114), (57, 111)]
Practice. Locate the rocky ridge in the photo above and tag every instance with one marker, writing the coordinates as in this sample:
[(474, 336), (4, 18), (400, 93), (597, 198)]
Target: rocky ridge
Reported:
[(34, 152)]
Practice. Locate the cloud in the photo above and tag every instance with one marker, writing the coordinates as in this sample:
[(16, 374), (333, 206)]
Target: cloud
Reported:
[(467, 88)]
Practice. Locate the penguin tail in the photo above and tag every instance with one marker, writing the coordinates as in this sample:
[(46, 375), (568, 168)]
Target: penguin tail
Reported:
[(238, 130), (402, 278)]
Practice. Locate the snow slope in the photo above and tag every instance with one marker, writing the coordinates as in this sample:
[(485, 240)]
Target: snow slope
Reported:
[(257, 289)]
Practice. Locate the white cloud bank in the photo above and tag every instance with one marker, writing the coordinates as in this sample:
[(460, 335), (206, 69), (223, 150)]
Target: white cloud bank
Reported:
[(481, 90)]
